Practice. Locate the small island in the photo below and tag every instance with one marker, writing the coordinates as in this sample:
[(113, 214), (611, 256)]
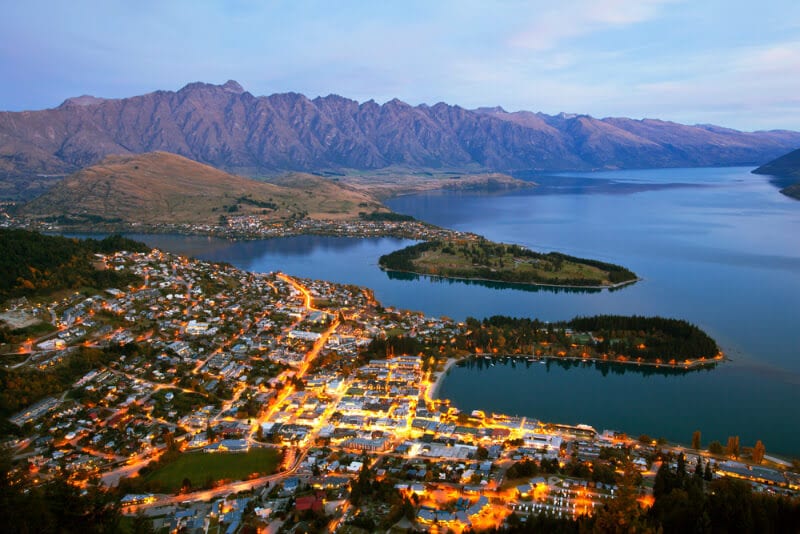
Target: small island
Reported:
[(481, 259)]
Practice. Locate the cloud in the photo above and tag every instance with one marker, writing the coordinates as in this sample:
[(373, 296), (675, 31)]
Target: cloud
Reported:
[(561, 21), (775, 59)]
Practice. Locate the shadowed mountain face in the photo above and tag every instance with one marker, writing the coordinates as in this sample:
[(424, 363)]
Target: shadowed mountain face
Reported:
[(227, 127), (786, 173), (787, 165)]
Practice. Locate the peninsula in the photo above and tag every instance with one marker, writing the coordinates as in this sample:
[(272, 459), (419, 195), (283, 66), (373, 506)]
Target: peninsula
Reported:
[(481, 259)]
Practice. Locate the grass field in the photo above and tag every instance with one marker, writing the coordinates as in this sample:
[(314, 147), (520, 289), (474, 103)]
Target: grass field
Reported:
[(508, 266), (201, 468)]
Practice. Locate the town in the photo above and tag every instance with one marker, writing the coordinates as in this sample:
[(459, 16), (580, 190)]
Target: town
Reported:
[(252, 226), (216, 399)]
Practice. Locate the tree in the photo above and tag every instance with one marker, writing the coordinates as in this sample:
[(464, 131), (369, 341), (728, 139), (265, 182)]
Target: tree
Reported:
[(732, 449), (758, 452), (681, 470), (715, 447), (696, 439), (141, 524), (707, 474), (698, 469), (169, 439), (210, 431)]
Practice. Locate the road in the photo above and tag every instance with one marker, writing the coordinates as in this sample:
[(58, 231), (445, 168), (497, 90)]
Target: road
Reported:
[(225, 489)]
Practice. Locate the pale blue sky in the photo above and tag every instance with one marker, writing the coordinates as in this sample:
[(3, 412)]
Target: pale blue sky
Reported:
[(730, 62)]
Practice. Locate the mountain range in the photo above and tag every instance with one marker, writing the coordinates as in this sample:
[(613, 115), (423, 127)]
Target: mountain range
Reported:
[(231, 129)]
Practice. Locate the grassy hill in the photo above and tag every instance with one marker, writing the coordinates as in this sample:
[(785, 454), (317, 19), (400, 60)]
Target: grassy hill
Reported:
[(393, 181), (160, 187)]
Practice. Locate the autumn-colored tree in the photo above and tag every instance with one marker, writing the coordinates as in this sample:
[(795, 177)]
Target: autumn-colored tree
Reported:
[(732, 449), (623, 514), (696, 439), (758, 452)]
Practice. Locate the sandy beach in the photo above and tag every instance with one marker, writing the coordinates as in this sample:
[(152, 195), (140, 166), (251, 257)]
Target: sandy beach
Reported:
[(433, 390)]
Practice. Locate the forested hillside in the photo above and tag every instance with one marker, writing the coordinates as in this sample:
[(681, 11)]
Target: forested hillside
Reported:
[(36, 264)]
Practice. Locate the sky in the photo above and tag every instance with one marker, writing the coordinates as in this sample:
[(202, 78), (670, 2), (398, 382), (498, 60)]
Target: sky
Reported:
[(734, 63)]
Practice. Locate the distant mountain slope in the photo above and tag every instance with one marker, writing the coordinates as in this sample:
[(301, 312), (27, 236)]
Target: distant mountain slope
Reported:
[(231, 129), (165, 188), (787, 166)]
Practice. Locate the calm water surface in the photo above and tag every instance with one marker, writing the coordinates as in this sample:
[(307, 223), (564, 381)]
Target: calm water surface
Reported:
[(718, 247)]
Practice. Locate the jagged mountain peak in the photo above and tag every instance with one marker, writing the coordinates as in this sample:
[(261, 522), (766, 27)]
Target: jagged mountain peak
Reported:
[(232, 86), (82, 101)]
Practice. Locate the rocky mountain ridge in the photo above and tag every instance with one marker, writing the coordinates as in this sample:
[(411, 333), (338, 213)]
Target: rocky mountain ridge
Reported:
[(229, 128)]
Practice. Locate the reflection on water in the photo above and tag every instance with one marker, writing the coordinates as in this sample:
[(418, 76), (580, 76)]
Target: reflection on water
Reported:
[(531, 288), (604, 368), (782, 182), (217, 249), (560, 184), (719, 402)]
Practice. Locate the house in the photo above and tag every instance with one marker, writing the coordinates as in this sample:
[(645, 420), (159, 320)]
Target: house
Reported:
[(291, 484), (309, 502), (355, 467)]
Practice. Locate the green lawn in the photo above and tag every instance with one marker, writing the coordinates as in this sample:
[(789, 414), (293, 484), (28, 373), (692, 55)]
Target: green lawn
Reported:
[(201, 468)]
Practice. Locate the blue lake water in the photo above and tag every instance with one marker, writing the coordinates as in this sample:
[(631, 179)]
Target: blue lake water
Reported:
[(719, 247)]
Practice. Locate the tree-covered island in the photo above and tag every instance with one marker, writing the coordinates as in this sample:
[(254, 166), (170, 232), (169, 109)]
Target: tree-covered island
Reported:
[(498, 262), (617, 338)]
